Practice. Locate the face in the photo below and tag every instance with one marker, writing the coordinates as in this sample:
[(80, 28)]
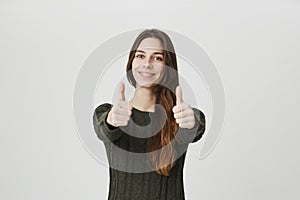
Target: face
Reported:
[(148, 62)]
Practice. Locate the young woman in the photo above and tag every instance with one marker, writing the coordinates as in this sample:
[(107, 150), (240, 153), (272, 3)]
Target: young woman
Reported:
[(155, 123)]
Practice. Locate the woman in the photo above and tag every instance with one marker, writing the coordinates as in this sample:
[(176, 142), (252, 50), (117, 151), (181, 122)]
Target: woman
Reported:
[(156, 123)]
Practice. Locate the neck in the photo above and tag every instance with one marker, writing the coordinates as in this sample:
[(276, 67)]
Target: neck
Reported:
[(143, 99)]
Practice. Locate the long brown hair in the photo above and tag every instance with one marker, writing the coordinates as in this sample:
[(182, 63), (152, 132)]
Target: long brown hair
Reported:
[(165, 96)]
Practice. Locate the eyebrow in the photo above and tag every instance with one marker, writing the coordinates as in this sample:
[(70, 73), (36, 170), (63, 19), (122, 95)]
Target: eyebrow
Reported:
[(153, 53)]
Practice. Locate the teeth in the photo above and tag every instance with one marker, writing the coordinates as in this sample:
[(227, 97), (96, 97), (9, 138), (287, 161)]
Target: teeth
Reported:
[(144, 74)]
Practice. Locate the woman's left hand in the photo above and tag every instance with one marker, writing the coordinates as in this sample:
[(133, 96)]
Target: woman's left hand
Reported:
[(183, 113)]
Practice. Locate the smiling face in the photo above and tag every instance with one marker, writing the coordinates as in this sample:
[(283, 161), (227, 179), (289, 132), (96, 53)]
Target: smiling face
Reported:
[(148, 63)]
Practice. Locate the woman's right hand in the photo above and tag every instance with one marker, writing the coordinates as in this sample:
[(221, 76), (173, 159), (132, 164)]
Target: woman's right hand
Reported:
[(120, 113)]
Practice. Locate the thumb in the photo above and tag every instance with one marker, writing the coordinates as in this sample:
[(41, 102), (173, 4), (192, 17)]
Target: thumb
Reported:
[(122, 91), (178, 95)]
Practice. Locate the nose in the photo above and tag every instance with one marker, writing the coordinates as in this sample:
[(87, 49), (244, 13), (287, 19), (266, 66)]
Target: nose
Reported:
[(147, 62)]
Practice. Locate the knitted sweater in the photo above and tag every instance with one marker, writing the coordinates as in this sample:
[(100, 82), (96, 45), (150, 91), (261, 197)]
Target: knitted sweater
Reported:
[(131, 178)]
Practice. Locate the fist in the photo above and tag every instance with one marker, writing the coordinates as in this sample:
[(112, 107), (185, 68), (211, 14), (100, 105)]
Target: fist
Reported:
[(183, 112), (120, 113)]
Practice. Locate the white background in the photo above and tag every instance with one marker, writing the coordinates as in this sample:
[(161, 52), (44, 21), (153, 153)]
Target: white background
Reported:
[(254, 44)]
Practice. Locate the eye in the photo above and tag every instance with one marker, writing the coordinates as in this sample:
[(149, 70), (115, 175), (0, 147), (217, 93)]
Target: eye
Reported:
[(139, 56), (158, 58)]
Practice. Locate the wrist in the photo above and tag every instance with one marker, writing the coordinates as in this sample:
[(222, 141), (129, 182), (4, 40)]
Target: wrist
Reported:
[(108, 122)]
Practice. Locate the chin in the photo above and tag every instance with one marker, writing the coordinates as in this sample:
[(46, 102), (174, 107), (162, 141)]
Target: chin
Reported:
[(146, 85)]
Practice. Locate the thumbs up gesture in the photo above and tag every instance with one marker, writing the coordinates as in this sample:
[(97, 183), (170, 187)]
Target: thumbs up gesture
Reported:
[(120, 113), (183, 113)]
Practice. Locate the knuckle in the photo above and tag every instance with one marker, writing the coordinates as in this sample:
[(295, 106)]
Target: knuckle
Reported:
[(114, 110), (112, 116)]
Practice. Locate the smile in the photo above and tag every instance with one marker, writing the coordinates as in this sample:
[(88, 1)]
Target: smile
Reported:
[(146, 74)]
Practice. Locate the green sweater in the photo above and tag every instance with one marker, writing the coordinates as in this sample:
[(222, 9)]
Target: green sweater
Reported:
[(128, 178)]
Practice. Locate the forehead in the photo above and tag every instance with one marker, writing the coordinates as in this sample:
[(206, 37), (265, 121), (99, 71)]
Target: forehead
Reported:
[(150, 43)]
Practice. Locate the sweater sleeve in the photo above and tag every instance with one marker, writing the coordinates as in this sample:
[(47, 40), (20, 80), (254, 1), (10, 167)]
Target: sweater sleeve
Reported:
[(103, 130), (185, 135)]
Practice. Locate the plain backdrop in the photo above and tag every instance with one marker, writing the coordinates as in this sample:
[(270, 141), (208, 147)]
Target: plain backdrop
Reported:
[(254, 44)]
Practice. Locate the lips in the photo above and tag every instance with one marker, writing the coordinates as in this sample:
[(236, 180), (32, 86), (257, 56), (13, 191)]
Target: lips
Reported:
[(146, 74)]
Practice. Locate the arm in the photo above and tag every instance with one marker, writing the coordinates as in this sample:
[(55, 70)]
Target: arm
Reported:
[(194, 134), (103, 130)]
